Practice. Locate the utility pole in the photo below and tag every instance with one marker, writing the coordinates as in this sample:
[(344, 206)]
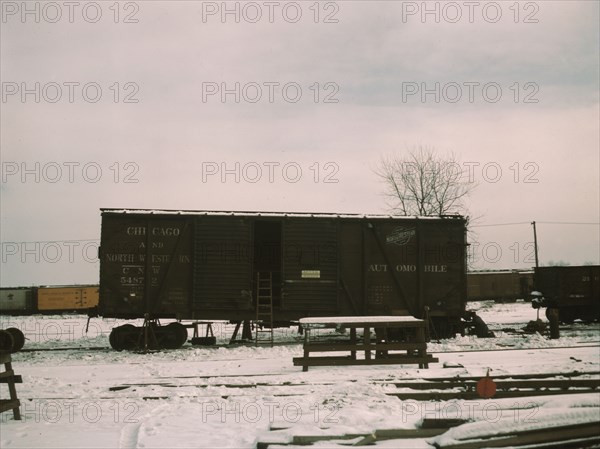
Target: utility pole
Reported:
[(535, 245)]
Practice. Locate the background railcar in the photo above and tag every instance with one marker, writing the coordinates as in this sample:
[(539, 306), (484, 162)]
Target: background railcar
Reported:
[(574, 290), (54, 299), (205, 265), (46, 300), (72, 298), (17, 301), (505, 285)]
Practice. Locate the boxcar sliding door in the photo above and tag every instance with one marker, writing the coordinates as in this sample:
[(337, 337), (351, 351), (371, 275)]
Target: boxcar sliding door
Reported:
[(310, 266)]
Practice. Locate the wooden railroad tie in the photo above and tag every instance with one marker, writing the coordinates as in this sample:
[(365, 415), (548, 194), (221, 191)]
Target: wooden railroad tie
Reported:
[(503, 388), (574, 435)]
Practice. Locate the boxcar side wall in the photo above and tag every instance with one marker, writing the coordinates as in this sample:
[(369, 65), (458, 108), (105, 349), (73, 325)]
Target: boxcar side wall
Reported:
[(145, 265), (414, 265), (222, 273), (205, 266), (575, 290)]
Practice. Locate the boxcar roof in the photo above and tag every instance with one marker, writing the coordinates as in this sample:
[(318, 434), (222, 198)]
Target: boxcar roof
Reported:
[(269, 214)]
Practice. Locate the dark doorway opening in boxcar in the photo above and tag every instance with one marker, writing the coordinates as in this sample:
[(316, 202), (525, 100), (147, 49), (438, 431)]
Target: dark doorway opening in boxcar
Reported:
[(267, 256)]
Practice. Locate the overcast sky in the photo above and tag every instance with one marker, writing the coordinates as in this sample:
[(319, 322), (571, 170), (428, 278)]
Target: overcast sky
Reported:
[(145, 104)]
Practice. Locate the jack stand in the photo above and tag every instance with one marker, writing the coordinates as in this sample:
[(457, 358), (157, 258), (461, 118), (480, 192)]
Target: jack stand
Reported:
[(148, 333), (246, 331)]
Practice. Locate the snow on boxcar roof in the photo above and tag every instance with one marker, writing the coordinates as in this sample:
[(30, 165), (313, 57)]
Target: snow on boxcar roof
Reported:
[(271, 214)]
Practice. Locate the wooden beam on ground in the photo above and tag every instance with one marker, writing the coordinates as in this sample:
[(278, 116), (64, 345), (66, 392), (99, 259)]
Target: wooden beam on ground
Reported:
[(554, 435), (448, 395)]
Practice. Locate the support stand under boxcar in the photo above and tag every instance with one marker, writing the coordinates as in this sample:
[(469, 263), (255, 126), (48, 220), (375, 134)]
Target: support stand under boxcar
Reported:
[(150, 340), (209, 338), (246, 332)]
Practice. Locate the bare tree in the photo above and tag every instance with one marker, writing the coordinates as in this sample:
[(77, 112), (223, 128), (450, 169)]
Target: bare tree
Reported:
[(423, 183)]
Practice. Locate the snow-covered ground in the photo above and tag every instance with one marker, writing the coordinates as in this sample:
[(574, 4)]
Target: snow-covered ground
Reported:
[(235, 396)]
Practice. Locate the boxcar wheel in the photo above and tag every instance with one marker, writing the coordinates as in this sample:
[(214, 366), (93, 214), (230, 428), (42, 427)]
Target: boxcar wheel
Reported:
[(181, 332), (123, 337), (171, 336), (129, 336), (115, 339), (18, 338)]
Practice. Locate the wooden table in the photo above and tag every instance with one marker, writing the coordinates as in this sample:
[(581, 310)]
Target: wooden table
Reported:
[(376, 351)]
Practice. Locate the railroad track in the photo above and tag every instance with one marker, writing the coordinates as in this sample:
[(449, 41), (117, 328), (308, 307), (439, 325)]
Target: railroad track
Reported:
[(74, 348), (252, 344), (432, 379), (504, 389), (429, 389), (575, 435)]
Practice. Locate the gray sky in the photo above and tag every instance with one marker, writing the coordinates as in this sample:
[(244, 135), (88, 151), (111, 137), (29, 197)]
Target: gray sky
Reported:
[(152, 102)]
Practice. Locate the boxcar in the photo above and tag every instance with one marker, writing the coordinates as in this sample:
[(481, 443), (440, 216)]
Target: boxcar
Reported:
[(48, 299), (574, 290), (505, 285), (17, 301), (57, 299), (205, 265)]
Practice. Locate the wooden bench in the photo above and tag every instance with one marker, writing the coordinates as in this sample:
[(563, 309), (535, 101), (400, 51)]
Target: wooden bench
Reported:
[(9, 377), (377, 351)]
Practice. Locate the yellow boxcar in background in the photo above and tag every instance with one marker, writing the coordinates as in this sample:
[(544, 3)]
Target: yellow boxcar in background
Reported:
[(74, 298)]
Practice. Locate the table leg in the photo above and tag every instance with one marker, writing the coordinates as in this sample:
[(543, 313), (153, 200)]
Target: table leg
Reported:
[(367, 339), (353, 341), (381, 335), (420, 334), (306, 351)]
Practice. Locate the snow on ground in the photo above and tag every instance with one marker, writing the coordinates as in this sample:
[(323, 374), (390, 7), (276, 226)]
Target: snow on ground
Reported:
[(233, 396)]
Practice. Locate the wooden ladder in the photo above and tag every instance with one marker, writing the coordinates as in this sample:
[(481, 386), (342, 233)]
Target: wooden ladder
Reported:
[(264, 307)]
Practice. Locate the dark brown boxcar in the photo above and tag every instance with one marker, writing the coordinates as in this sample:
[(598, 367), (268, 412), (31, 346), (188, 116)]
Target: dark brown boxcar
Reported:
[(574, 290), (507, 285), (204, 265)]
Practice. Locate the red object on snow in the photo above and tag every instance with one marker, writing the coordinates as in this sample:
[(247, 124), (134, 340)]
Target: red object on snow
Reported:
[(486, 387)]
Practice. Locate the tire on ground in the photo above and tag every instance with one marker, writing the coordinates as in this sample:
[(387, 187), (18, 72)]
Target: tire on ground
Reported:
[(6, 341), (18, 338)]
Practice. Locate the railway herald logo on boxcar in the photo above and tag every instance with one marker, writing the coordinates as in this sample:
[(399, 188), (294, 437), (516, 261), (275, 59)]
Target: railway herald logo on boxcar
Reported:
[(400, 235)]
